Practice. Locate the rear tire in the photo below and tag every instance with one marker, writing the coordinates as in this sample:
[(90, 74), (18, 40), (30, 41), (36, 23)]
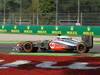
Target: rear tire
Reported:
[(81, 48)]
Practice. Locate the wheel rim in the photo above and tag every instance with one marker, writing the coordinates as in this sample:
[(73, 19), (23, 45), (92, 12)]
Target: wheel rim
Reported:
[(81, 48), (27, 46)]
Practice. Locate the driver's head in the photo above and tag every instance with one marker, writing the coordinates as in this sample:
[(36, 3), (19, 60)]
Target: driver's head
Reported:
[(59, 34)]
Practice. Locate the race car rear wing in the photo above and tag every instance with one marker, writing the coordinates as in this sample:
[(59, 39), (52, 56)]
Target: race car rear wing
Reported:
[(88, 41)]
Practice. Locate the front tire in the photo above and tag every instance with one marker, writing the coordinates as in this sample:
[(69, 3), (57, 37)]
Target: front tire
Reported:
[(27, 46)]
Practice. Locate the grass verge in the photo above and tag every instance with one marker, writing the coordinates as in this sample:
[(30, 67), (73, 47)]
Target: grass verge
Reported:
[(58, 54), (9, 42)]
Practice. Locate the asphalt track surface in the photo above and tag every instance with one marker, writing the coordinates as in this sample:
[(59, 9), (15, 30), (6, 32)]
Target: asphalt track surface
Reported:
[(8, 48)]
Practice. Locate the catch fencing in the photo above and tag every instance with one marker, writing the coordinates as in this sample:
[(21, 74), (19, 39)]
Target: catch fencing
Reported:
[(51, 19)]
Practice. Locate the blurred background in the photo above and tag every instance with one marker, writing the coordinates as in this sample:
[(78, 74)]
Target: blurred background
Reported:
[(50, 12)]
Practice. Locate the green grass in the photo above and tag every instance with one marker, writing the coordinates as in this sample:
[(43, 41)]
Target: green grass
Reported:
[(49, 54), (58, 54), (9, 42), (97, 42)]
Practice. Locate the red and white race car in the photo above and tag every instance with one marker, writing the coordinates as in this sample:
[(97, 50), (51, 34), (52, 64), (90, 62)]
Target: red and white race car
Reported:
[(61, 43)]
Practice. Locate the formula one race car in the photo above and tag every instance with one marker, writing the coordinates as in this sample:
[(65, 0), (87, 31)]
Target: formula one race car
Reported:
[(61, 43)]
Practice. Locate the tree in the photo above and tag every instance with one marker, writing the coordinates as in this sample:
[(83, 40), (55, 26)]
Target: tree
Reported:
[(85, 5), (12, 6)]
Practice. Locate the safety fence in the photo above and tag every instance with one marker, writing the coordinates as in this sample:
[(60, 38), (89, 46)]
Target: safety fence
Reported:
[(51, 29)]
